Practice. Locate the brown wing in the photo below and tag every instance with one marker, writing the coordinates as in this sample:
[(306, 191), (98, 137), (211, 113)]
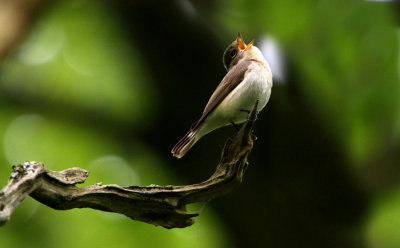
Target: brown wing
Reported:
[(232, 79)]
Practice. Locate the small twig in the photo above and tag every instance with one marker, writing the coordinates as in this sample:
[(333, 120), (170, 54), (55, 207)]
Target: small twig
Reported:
[(158, 205)]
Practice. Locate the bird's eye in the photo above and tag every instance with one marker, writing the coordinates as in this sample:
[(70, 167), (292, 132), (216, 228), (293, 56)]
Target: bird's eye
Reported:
[(232, 53)]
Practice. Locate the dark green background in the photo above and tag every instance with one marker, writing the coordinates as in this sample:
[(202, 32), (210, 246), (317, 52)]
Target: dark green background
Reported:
[(111, 86)]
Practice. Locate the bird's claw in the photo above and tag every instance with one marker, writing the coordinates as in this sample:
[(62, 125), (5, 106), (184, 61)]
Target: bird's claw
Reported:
[(248, 114), (235, 126)]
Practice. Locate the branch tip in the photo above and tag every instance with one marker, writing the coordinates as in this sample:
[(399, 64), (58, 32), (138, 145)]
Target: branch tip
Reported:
[(159, 205)]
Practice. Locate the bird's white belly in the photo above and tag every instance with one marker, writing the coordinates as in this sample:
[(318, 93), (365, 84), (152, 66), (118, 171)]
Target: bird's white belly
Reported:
[(256, 85), (243, 97)]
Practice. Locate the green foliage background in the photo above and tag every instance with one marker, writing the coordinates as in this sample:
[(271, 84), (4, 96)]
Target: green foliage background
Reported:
[(110, 87)]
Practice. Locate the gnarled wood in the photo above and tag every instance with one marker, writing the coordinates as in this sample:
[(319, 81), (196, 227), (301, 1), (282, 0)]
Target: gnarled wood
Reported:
[(158, 205)]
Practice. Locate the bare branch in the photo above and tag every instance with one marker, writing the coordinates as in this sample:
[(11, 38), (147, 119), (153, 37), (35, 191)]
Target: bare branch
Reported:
[(158, 205), (15, 19)]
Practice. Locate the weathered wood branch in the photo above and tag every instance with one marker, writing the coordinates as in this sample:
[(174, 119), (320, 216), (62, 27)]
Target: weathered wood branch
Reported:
[(158, 205)]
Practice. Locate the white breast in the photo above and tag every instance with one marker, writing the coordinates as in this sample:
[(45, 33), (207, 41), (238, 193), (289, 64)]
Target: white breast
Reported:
[(256, 85)]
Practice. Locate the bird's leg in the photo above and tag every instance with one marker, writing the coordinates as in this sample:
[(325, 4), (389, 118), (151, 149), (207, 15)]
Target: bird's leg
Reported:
[(248, 116), (235, 126), (248, 113)]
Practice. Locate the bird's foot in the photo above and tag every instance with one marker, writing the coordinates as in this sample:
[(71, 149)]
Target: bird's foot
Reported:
[(235, 126), (248, 113)]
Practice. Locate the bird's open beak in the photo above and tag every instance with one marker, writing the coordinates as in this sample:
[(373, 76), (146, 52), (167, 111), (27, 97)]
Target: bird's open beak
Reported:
[(241, 45)]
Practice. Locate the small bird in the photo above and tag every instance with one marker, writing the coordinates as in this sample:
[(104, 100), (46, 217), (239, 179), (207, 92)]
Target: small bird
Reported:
[(248, 78)]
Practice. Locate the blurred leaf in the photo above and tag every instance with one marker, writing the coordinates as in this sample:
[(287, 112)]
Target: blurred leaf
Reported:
[(383, 226), (76, 55)]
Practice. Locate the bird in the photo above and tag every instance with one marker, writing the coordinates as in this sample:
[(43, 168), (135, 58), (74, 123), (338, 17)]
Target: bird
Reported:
[(248, 79)]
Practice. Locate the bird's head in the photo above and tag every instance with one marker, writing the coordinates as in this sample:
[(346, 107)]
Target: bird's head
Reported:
[(238, 50)]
